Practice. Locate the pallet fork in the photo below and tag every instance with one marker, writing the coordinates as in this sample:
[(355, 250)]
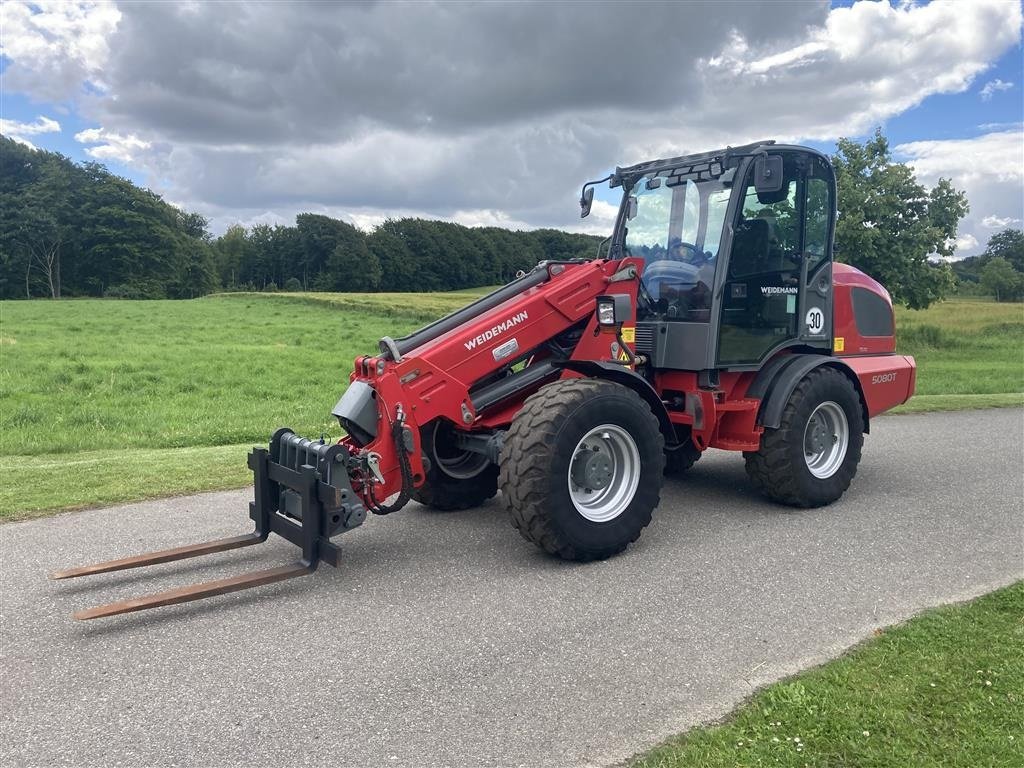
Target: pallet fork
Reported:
[(302, 493)]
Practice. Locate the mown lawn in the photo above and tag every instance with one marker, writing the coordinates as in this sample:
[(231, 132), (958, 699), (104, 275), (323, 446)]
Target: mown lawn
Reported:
[(943, 689), (87, 385)]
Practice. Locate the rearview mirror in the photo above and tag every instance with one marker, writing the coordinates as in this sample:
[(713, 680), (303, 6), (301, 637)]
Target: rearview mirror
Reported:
[(586, 200), (768, 174)]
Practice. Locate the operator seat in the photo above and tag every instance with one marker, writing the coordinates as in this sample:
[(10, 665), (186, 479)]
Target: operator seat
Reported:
[(750, 247)]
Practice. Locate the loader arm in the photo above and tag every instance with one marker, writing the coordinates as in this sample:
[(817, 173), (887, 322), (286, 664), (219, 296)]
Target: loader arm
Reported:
[(474, 374)]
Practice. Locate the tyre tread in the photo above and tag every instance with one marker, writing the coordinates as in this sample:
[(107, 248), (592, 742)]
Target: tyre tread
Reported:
[(523, 475)]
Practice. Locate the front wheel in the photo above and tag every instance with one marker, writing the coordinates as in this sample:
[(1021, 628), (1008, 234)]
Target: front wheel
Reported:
[(456, 479), (581, 468), (812, 457)]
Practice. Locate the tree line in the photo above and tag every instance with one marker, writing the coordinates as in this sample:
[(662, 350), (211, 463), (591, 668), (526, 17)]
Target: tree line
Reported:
[(320, 253), (70, 229)]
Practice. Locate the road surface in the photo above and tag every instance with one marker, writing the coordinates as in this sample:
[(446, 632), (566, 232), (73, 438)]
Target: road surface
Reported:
[(446, 640)]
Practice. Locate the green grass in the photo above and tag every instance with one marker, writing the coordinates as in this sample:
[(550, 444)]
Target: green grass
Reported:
[(418, 308), (139, 378), (36, 484), (936, 403), (943, 689), (965, 347), (93, 374)]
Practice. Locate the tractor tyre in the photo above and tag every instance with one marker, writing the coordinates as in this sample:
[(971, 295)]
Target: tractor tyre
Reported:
[(581, 468), (810, 460), (681, 459), (455, 480)]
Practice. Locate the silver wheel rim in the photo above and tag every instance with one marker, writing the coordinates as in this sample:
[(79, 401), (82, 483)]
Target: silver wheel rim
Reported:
[(826, 438), (604, 473)]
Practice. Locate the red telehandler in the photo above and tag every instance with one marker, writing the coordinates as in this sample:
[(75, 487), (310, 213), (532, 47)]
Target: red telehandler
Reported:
[(712, 317)]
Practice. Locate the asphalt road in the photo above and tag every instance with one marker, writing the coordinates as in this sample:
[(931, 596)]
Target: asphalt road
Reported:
[(446, 640)]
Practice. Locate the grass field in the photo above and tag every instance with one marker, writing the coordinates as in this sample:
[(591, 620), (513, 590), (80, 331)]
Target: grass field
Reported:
[(106, 401), (943, 689), (967, 352)]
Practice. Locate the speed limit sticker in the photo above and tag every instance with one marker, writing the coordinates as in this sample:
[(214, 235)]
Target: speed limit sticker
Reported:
[(815, 320)]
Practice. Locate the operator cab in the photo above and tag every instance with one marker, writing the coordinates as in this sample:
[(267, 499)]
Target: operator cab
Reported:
[(737, 246)]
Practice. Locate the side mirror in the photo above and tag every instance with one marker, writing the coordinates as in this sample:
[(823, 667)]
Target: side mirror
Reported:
[(586, 200), (631, 206), (768, 174)]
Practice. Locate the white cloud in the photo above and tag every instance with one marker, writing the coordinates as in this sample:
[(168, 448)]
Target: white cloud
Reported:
[(989, 168), (867, 63), (992, 86), (55, 48), (966, 242), (997, 222), (13, 129), (998, 156), (112, 145)]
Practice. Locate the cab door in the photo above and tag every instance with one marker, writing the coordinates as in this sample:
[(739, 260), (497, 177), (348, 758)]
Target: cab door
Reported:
[(778, 288)]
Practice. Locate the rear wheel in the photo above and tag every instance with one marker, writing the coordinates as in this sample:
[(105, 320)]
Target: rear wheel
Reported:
[(581, 468), (810, 460), (456, 479)]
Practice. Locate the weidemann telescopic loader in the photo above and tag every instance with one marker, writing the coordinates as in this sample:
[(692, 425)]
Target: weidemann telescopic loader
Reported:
[(713, 317)]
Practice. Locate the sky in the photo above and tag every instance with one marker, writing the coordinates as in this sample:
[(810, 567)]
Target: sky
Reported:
[(495, 113)]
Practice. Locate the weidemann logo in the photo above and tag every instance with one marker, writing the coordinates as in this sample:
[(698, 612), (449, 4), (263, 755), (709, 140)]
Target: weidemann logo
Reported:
[(496, 330), (771, 290)]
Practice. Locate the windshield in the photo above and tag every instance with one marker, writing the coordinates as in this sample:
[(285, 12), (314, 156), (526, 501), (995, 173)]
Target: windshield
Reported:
[(677, 230)]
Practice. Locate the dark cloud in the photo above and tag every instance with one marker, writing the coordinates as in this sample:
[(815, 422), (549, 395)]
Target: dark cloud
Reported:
[(267, 73)]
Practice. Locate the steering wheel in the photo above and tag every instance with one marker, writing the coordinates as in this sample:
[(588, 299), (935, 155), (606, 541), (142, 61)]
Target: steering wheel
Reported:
[(698, 258), (675, 248)]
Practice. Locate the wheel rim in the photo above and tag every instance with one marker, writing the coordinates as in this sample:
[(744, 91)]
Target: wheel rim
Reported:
[(826, 438), (604, 473)]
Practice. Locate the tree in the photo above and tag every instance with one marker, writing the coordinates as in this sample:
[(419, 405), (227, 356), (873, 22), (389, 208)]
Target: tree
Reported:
[(231, 252), (351, 268), (1000, 279), (890, 225), (74, 229), (1009, 245)]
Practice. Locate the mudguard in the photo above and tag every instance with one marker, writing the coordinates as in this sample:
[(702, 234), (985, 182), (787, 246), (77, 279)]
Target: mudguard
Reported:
[(627, 377), (774, 384)]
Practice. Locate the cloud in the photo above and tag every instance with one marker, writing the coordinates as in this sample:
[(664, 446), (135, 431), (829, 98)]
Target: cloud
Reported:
[(992, 86), (13, 129), (996, 222), (966, 242), (491, 112), (1001, 126), (867, 63), (989, 168), (112, 145), (54, 48)]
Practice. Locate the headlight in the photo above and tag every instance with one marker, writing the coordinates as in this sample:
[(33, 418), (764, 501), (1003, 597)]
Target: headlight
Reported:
[(606, 311), (613, 310)]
